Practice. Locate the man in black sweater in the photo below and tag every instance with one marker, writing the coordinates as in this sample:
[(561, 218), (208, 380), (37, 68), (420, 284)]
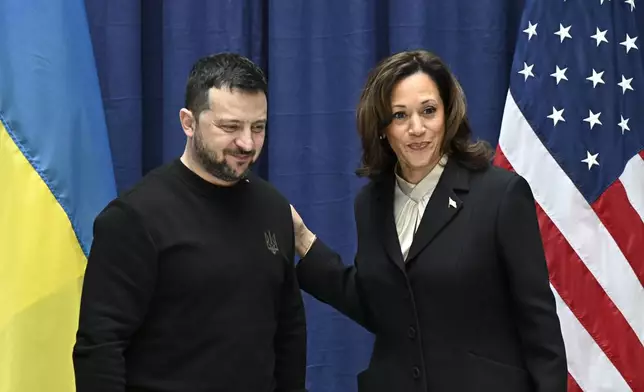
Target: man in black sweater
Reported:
[(190, 284)]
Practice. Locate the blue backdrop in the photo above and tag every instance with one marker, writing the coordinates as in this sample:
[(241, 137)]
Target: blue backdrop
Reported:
[(317, 54)]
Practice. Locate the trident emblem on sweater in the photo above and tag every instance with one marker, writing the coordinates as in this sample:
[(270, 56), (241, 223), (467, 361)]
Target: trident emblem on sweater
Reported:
[(271, 242)]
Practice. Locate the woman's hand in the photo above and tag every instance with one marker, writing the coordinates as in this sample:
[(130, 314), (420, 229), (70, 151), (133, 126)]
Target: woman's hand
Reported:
[(304, 238)]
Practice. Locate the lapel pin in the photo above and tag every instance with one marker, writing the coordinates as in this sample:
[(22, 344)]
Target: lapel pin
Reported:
[(452, 203)]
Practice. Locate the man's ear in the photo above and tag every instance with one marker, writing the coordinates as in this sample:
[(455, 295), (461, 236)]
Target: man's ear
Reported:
[(188, 122)]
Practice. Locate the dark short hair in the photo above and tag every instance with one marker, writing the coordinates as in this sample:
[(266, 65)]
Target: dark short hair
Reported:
[(374, 113), (221, 70)]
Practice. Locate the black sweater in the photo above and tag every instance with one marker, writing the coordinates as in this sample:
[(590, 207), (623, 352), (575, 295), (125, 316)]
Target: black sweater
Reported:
[(190, 287)]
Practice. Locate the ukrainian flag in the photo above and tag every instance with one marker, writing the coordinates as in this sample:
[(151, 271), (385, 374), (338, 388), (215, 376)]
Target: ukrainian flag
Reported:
[(55, 176)]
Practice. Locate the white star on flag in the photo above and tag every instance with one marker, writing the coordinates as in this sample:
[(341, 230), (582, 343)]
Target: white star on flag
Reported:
[(596, 78), (559, 74), (600, 36), (593, 119), (591, 159), (564, 32), (623, 124), (531, 30), (556, 116), (625, 84), (527, 71), (629, 43)]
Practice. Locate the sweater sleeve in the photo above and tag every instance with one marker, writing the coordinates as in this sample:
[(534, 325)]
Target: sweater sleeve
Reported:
[(118, 284), (290, 340)]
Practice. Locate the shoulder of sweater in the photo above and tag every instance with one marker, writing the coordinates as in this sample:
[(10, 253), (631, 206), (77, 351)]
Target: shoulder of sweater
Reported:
[(267, 189), (148, 193)]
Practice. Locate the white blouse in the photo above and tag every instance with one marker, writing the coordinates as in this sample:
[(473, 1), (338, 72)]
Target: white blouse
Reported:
[(410, 201)]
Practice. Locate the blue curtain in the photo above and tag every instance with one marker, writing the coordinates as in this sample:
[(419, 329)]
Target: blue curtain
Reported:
[(317, 54)]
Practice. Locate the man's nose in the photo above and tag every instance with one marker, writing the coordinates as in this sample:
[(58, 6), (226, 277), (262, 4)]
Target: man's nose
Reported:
[(245, 140)]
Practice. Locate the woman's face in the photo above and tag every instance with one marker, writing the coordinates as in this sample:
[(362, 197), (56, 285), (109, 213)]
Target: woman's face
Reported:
[(417, 128)]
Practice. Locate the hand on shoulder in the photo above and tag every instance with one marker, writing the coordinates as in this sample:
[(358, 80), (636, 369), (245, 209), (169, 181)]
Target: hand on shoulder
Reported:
[(304, 238)]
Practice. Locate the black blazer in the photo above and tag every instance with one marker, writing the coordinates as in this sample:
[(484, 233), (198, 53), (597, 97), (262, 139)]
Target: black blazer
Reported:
[(471, 309)]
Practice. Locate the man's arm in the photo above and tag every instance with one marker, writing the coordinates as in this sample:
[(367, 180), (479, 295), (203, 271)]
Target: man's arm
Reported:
[(536, 313), (119, 281), (290, 340)]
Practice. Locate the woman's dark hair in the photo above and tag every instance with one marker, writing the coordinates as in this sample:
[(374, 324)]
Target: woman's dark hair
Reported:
[(374, 113)]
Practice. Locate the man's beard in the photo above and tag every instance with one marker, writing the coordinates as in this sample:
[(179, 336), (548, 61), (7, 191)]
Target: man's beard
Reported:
[(219, 168)]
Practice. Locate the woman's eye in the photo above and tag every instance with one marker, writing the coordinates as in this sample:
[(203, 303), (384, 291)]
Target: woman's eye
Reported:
[(399, 115), (430, 110)]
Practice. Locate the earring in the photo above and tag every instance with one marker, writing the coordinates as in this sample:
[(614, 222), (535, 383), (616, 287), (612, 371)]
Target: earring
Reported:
[(382, 137)]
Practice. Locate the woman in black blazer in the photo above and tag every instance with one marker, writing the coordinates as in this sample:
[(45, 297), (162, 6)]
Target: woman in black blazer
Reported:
[(450, 274)]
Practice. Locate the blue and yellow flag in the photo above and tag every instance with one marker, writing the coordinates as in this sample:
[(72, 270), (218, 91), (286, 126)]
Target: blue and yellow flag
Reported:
[(55, 176)]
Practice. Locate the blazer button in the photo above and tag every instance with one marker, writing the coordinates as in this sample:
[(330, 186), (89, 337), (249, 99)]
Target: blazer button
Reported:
[(415, 372), (411, 333)]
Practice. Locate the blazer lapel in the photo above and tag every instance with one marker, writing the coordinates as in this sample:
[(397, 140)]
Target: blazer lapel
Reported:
[(384, 213), (443, 206)]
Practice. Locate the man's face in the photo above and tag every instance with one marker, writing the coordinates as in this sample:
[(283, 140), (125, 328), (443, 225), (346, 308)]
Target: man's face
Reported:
[(229, 137)]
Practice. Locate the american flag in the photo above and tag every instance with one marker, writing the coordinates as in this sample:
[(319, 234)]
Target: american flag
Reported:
[(573, 126)]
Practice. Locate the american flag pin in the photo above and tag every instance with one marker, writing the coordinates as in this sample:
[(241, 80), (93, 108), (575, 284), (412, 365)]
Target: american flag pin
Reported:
[(452, 203)]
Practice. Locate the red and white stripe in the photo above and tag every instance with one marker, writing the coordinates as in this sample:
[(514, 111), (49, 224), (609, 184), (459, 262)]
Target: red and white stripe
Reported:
[(595, 257)]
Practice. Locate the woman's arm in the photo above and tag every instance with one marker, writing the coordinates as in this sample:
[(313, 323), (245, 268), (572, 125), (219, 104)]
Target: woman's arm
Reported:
[(322, 274), (536, 315)]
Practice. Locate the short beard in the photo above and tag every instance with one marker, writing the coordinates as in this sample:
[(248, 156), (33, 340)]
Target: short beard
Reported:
[(218, 168)]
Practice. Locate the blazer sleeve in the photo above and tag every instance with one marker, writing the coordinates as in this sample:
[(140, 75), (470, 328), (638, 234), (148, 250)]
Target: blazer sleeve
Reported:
[(322, 274), (536, 316)]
